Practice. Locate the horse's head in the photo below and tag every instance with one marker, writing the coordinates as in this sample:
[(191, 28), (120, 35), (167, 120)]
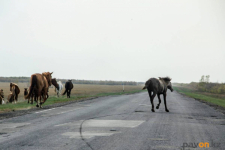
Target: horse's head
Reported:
[(48, 76), (167, 80), (169, 86), (1, 92), (54, 82)]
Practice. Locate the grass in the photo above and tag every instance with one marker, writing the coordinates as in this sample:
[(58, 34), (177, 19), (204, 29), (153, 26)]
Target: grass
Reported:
[(201, 96), (80, 91)]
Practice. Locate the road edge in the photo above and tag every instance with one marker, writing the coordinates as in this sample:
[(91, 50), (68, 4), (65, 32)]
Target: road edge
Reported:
[(216, 107)]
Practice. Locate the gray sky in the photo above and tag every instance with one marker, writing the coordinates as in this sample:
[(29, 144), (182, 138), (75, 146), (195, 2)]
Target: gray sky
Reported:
[(130, 40)]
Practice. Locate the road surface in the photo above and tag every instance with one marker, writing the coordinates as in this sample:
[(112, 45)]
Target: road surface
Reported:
[(117, 123)]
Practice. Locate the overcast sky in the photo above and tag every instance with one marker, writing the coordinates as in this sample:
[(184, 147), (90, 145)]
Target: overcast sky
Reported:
[(130, 40)]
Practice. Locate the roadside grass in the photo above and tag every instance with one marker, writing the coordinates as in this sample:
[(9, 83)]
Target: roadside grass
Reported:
[(23, 105), (201, 96)]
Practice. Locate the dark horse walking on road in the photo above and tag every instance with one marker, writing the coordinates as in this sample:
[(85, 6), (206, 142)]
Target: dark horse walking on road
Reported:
[(68, 88), (158, 86)]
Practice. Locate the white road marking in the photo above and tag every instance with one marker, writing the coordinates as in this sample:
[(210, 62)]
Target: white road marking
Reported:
[(60, 112), (112, 123), (70, 124), (67, 111), (158, 139), (86, 135), (64, 124), (144, 105), (44, 110)]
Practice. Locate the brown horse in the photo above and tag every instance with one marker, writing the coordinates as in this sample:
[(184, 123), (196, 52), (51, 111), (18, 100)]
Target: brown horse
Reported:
[(31, 97), (2, 93), (1, 97), (15, 91), (10, 97), (39, 85)]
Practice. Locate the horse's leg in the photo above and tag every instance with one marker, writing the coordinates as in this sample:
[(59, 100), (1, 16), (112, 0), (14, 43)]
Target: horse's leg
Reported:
[(67, 92), (164, 96), (31, 99), (36, 97), (45, 97), (16, 98), (157, 107), (151, 99), (40, 102)]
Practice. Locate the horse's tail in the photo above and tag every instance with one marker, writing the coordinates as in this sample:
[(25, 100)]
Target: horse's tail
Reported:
[(33, 81), (146, 84), (144, 87), (64, 92), (66, 87)]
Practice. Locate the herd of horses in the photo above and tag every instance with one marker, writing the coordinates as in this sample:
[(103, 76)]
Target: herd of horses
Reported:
[(38, 90), (40, 83)]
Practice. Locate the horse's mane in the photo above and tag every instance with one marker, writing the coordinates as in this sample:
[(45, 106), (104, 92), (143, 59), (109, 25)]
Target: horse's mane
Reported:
[(47, 76), (165, 78)]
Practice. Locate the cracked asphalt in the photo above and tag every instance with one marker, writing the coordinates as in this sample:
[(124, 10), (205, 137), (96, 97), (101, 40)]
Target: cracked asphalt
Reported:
[(117, 123)]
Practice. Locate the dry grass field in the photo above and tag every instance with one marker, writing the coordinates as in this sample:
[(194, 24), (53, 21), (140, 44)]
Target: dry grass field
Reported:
[(78, 90)]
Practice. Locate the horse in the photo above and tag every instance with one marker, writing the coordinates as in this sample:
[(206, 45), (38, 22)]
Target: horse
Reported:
[(39, 85), (58, 86), (158, 86), (10, 97), (68, 88), (15, 91), (1, 100), (1, 97), (32, 97)]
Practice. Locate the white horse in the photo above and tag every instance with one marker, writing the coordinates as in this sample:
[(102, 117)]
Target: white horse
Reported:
[(60, 88)]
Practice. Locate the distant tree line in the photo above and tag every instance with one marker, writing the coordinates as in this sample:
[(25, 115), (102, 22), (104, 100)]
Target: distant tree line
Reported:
[(205, 86), (75, 81), (15, 79)]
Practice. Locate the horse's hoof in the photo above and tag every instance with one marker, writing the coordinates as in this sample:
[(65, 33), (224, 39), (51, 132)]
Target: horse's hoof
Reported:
[(157, 107), (153, 110), (37, 105), (167, 110)]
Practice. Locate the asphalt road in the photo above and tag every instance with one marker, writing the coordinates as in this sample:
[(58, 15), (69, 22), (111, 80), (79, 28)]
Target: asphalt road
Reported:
[(117, 123)]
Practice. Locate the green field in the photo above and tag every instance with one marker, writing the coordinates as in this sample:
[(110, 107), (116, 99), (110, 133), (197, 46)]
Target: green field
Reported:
[(53, 99), (202, 96)]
